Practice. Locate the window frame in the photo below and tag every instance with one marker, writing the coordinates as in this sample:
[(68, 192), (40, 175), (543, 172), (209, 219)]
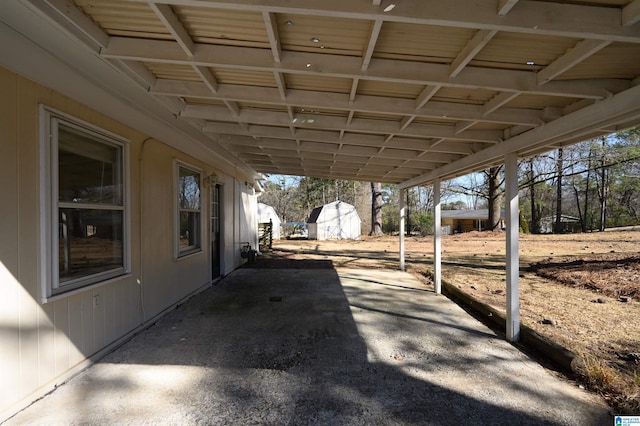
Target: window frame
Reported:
[(51, 285), (178, 252)]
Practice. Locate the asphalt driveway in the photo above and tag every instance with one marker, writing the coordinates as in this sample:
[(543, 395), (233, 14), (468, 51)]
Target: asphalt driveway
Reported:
[(317, 347)]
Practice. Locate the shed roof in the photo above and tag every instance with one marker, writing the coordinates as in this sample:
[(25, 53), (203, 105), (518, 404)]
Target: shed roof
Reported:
[(315, 213), (403, 92)]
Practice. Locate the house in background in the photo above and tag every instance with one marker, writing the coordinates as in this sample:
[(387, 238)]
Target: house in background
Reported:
[(334, 221), (456, 221), (268, 214), (568, 224)]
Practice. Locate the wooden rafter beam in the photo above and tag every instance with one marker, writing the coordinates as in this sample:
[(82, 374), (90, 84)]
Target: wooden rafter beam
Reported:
[(346, 153), (426, 95), (504, 6), (280, 82), (581, 124), (268, 138), (531, 17), (364, 103), (207, 76), (73, 15), (313, 121), (475, 45), (345, 67), (498, 101), (631, 13), (577, 54), (354, 90), (373, 39), (173, 24), (138, 71), (272, 33)]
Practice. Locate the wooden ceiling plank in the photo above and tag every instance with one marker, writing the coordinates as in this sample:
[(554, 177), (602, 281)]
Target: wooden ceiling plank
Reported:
[(581, 51), (475, 45)]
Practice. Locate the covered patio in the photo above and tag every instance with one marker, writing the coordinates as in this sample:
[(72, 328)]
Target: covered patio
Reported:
[(406, 92), (317, 346)]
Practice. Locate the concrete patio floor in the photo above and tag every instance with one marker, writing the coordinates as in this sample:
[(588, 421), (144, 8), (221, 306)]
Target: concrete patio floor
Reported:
[(322, 347)]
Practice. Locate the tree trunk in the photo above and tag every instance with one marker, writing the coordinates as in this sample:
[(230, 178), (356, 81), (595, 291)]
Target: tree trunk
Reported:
[(586, 221), (603, 188), (535, 220), (559, 166), (408, 214), (583, 221), (494, 199), (376, 209)]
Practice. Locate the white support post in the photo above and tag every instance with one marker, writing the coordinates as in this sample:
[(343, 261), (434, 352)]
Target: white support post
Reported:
[(402, 214), (513, 256), (437, 238)]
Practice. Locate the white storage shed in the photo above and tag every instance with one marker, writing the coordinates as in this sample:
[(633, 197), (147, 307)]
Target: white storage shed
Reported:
[(267, 213), (337, 221)]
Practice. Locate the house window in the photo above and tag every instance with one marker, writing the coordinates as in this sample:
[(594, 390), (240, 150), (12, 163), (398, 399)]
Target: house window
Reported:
[(86, 204), (188, 212)]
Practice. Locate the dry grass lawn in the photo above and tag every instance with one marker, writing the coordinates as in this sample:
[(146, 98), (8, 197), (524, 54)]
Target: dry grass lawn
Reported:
[(572, 281)]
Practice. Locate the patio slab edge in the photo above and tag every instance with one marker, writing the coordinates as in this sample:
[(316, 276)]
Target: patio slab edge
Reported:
[(530, 340)]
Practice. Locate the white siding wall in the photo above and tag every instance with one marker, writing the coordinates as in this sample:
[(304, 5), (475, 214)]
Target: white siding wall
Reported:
[(41, 344)]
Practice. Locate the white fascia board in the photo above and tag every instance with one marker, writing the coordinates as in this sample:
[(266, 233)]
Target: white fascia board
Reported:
[(39, 50)]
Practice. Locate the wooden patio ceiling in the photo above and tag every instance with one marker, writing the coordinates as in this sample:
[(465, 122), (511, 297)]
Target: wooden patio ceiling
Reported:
[(392, 91)]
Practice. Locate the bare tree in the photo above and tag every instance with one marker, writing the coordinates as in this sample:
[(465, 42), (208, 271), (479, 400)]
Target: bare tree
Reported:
[(559, 171), (376, 209), (494, 197)]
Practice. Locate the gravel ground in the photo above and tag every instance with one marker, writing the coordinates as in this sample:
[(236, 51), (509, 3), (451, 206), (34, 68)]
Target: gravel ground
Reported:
[(317, 347)]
